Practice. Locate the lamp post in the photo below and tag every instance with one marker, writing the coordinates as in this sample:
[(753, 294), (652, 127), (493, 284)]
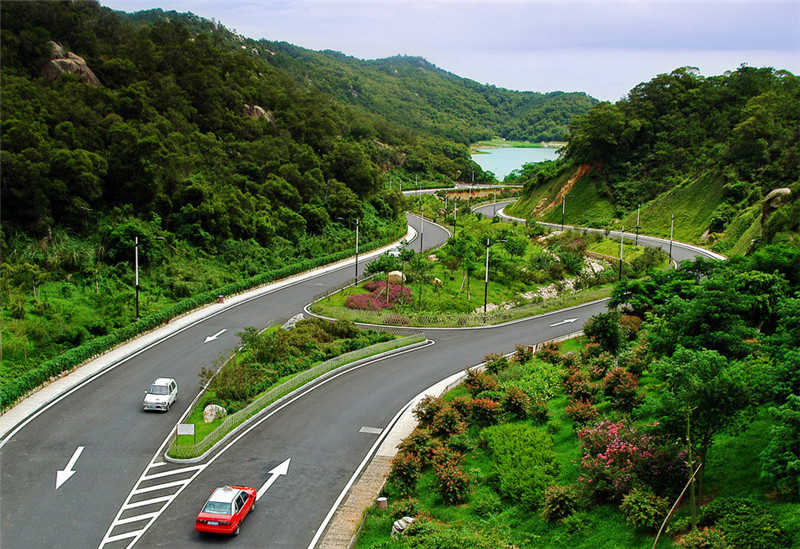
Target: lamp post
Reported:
[(349, 221), (486, 278), (638, 208), (136, 266), (671, 231), (455, 214), (563, 208), (621, 241), (494, 209), (422, 227)]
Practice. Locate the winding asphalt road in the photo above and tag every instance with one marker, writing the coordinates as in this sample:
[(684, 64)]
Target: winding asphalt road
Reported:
[(122, 492)]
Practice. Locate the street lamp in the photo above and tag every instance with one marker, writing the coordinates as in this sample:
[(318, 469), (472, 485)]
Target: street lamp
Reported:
[(455, 214), (671, 230), (136, 266), (486, 278), (563, 207), (638, 208), (422, 227), (350, 221), (621, 240)]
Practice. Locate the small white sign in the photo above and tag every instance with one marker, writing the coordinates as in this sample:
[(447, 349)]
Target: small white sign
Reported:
[(186, 428)]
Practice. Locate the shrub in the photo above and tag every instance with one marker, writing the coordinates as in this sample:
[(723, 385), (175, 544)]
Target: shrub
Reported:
[(485, 411), (643, 509), (560, 501), (447, 422), (408, 507), (746, 523), (485, 503), (426, 410), (549, 353), (495, 362), (461, 442), (421, 443), (578, 386), (581, 412), (424, 532), (540, 380), (539, 412), (622, 387), (524, 461), (406, 470), (516, 402), (704, 538), (379, 298), (463, 405), (780, 460), (630, 325), (599, 366), (617, 457), (523, 353), (477, 382), (451, 480)]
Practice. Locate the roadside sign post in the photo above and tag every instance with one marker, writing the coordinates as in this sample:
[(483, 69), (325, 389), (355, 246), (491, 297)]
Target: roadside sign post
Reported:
[(187, 429)]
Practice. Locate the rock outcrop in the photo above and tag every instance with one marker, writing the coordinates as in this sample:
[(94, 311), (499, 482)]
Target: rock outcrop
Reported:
[(61, 62), (256, 112)]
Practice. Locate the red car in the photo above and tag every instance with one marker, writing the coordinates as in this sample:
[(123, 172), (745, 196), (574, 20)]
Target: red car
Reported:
[(225, 510)]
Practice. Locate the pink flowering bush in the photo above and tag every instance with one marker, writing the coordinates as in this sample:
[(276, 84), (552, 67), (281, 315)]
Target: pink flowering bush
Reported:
[(617, 457), (379, 298)]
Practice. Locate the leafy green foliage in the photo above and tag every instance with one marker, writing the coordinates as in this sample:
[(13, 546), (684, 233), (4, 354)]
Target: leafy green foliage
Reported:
[(745, 523), (780, 460), (271, 355), (524, 461), (643, 509)]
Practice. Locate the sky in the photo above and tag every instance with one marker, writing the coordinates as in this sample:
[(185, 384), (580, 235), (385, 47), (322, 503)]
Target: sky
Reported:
[(603, 48)]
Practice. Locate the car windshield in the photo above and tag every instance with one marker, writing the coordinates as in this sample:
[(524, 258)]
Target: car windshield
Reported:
[(217, 508), (159, 390)]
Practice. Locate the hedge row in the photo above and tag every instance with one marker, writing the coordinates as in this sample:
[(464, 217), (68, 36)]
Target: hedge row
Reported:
[(14, 390)]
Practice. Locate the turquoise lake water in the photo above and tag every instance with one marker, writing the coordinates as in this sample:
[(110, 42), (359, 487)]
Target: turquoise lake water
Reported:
[(502, 161)]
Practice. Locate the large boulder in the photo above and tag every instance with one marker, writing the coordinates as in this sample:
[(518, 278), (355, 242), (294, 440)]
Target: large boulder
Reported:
[(212, 412), (256, 112), (61, 62), (401, 524), (395, 277), (772, 202)]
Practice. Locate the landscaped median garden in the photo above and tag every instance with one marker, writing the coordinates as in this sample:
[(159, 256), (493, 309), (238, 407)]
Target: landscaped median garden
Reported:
[(530, 271), (590, 444), (270, 365)]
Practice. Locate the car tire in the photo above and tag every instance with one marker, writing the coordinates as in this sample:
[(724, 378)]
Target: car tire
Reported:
[(236, 532), (167, 407)]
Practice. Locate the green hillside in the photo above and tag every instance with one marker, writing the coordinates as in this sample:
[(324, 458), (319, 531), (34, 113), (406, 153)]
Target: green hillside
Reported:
[(707, 150)]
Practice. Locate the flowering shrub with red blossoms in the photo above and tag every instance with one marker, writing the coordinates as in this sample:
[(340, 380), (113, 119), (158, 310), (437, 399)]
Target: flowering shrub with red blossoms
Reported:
[(377, 299), (617, 457)]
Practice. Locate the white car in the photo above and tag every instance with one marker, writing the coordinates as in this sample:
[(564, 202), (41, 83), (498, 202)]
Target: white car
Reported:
[(162, 394)]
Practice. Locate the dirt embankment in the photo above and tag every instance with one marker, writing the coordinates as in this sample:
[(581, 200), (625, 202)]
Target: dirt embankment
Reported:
[(546, 205)]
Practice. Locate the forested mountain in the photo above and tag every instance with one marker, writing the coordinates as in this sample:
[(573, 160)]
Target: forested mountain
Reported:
[(727, 141), (410, 91)]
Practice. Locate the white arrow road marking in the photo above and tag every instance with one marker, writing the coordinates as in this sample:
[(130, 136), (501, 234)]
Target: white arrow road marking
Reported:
[(64, 475), (281, 469), (565, 321), (215, 336)]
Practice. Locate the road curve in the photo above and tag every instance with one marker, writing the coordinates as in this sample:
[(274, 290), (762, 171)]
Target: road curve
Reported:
[(326, 434)]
